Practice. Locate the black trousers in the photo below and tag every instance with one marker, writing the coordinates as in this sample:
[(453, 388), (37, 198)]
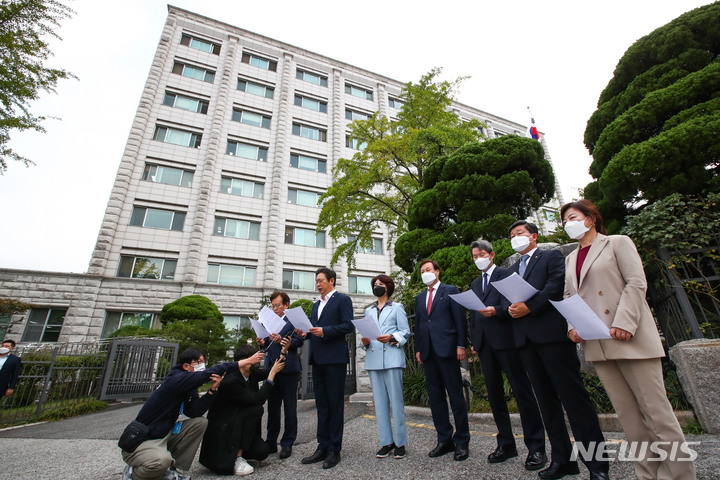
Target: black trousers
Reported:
[(329, 388), (283, 397)]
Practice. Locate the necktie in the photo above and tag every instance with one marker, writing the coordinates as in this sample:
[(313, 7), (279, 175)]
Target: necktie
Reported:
[(523, 264), (429, 303), (485, 282)]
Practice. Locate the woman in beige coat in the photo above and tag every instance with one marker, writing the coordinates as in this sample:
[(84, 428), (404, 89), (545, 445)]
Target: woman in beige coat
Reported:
[(606, 271)]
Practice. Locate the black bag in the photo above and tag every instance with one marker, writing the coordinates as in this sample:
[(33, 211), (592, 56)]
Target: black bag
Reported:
[(133, 435)]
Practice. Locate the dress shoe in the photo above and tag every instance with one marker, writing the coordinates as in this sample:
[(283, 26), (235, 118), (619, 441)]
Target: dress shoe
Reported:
[(535, 460), (502, 453), (318, 456), (599, 476), (461, 453), (285, 452), (272, 447), (441, 449), (559, 470), (332, 459)]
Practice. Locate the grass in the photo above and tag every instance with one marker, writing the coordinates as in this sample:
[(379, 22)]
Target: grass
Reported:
[(61, 410)]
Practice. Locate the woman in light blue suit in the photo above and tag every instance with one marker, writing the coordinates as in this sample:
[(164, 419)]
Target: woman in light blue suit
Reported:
[(384, 362)]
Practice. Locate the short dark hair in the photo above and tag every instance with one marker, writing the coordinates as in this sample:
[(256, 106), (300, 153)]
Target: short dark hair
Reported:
[(190, 355), (329, 273), (531, 227), (11, 342), (388, 281), (481, 244), (244, 351), (283, 296), (589, 210), (435, 265)]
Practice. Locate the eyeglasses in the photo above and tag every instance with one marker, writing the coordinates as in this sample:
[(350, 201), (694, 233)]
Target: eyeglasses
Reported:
[(276, 306)]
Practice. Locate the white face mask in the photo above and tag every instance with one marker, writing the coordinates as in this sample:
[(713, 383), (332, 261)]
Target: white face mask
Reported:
[(482, 263), (4, 351), (520, 243), (576, 229), (428, 278), (199, 367)]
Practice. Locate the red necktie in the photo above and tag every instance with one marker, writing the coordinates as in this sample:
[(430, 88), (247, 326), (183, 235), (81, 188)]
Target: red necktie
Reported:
[(429, 303)]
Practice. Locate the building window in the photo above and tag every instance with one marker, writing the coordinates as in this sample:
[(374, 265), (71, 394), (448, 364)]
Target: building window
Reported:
[(354, 143), (236, 322), (44, 325), (231, 275), (250, 118), (376, 248), (309, 132), (199, 44), (311, 78), (359, 285), (198, 73), (228, 227), (244, 188), (156, 218), (358, 92), (297, 280), (310, 104), (255, 89), (355, 115), (167, 175), (177, 137), (259, 62), (245, 150), (303, 197), (308, 163), (146, 267), (115, 320), (185, 103), (395, 103), (304, 237), (500, 133)]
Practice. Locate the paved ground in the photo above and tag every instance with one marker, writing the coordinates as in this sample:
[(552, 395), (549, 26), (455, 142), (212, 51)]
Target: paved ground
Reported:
[(85, 448)]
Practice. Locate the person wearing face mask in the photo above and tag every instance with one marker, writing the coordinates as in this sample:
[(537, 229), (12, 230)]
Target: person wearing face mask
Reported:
[(607, 272), (10, 367), (551, 360), (440, 341), (492, 339), (384, 362)]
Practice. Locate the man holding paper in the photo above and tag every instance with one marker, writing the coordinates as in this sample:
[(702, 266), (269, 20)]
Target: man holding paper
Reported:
[(492, 339), (550, 358)]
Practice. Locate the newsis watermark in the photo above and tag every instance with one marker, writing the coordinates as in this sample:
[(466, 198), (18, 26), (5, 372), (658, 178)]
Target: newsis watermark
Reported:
[(635, 451)]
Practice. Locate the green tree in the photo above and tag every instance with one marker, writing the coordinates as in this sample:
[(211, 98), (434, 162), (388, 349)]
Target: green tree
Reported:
[(654, 131), (375, 186), (195, 321), (25, 26)]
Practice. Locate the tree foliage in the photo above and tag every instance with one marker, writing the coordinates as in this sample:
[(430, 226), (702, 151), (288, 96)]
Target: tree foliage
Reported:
[(374, 187), (25, 26), (195, 321), (10, 306), (653, 133)]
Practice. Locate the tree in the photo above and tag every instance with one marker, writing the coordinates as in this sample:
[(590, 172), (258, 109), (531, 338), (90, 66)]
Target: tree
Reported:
[(653, 133), (8, 308), (195, 321), (24, 28), (375, 186)]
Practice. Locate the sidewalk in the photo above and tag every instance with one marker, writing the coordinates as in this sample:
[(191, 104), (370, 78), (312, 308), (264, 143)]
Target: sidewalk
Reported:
[(86, 448)]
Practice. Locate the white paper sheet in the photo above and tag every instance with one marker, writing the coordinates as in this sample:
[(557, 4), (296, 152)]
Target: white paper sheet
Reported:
[(259, 329), (582, 318), (514, 288), (297, 317), (271, 321), (468, 300), (367, 327)]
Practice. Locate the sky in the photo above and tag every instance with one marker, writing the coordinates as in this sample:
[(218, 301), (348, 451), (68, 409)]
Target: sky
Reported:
[(554, 56)]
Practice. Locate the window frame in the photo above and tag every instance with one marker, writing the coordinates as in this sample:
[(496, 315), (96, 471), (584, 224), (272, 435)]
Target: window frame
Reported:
[(214, 47), (253, 228), (43, 332), (104, 332), (165, 275), (355, 279), (195, 138), (179, 69), (269, 91), (354, 90), (291, 236), (229, 189), (299, 128), (295, 163), (300, 102), (264, 119), (202, 104), (248, 57), (184, 174), (218, 275), (177, 219), (300, 74), (261, 155), (291, 286)]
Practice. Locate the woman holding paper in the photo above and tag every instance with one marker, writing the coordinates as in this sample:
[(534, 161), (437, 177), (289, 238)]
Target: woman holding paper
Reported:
[(384, 362), (607, 273)]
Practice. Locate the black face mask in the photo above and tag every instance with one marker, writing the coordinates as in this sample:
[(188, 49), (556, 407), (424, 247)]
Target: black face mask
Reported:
[(379, 290)]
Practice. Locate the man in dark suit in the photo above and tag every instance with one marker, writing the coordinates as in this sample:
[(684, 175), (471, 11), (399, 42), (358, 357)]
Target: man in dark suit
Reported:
[(10, 366), (550, 358), (492, 338), (331, 319), (440, 341)]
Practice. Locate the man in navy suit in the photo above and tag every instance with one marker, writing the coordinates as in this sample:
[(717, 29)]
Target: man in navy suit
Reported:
[(286, 381), (440, 341), (331, 319), (492, 338), (550, 358), (10, 366)]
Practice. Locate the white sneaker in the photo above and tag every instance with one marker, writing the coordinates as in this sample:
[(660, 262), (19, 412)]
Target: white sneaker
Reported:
[(242, 467), (127, 473)]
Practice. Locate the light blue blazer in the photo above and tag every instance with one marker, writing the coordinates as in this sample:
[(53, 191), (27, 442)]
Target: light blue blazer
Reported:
[(393, 321)]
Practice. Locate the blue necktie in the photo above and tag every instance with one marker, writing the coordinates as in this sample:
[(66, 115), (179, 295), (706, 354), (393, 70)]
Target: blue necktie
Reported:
[(523, 264), (485, 282)]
